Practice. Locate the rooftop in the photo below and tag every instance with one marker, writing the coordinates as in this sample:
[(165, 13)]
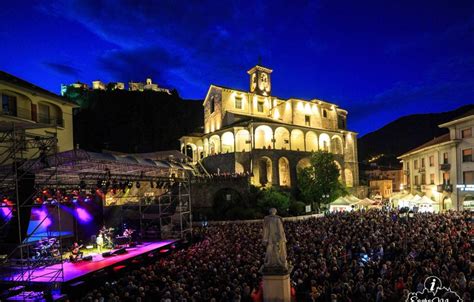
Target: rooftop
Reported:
[(435, 141), (6, 77)]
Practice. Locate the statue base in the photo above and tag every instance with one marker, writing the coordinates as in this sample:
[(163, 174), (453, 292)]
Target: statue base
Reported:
[(276, 285)]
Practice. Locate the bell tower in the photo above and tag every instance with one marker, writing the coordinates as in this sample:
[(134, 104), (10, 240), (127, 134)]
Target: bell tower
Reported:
[(260, 80)]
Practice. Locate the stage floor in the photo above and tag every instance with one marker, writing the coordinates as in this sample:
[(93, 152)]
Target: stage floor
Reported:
[(76, 270)]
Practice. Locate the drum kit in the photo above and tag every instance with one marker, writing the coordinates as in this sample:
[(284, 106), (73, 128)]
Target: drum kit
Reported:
[(47, 249)]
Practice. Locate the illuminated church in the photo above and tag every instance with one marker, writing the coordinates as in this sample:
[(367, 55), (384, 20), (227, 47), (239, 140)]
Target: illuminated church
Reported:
[(268, 137)]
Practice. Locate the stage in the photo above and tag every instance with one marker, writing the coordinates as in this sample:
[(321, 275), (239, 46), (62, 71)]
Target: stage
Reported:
[(73, 271)]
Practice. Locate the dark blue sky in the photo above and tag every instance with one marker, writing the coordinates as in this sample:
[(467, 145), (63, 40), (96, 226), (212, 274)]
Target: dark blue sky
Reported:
[(378, 59)]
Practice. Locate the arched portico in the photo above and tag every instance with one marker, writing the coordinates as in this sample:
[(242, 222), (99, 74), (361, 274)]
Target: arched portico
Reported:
[(297, 140), (284, 172), (311, 141), (242, 141), (282, 138), (263, 137), (227, 142)]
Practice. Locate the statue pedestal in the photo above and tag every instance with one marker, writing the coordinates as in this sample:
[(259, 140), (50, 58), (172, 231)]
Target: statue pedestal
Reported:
[(276, 286)]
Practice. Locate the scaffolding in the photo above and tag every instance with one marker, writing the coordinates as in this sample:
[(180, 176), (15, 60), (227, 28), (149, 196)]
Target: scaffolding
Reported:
[(22, 151), (25, 155)]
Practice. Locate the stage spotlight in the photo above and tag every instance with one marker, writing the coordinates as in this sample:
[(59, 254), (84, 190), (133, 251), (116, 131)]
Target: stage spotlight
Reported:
[(54, 201), (137, 185), (130, 184), (74, 199), (87, 199)]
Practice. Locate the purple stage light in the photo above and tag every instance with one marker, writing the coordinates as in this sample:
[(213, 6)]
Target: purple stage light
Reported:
[(42, 215), (6, 212), (82, 215)]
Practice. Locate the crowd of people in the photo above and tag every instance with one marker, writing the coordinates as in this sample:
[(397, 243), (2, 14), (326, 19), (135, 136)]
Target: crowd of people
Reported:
[(360, 256)]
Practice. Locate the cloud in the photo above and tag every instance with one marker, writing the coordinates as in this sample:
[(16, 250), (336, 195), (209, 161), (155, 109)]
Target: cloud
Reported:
[(62, 69), (187, 46)]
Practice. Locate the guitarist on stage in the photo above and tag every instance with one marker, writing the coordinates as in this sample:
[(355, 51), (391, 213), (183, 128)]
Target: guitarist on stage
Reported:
[(76, 253)]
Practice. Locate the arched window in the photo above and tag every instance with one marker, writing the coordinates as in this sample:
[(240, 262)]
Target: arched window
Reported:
[(262, 172), (336, 145), (16, 104), (242, 141), (214, 145), (284, 172), (297, 140), (50, 114), (227, 142), (263, 137), (282, 138), (324, 142), (311, 141)]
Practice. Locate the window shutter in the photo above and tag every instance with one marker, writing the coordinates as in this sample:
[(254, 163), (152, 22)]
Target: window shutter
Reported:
[(34, 112)]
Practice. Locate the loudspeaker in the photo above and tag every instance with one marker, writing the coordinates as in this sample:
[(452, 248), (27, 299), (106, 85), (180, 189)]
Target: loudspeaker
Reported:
[(120, 251), (106, 254), (87, 258), (26, 190)]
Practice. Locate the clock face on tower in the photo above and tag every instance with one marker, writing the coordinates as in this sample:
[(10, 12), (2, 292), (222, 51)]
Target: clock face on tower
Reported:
[(253, 83)]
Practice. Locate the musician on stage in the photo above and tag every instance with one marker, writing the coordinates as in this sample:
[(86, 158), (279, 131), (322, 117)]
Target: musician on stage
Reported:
[(76, 253), (128, 234), (100, 242)]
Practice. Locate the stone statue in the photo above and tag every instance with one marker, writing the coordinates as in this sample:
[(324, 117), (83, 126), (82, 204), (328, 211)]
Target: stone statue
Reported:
[(275, 241)]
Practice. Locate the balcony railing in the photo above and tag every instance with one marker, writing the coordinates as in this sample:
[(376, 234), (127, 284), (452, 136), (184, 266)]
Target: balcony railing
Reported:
[(421, 170), (26, 114), (17, 112), (53, 121), (445, 167), (445, 188)]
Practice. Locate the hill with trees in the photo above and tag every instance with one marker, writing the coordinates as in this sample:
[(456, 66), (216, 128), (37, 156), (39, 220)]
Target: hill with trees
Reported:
[(132, 121), (382, 146)]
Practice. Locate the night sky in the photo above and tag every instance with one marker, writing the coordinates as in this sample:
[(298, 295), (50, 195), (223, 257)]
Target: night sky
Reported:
[(378, 59)]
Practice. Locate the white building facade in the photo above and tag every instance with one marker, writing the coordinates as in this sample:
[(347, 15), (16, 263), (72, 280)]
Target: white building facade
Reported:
[(443, 168), (268, 137)]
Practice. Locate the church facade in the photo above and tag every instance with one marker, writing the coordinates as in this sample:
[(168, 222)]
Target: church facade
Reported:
[(269, 137)]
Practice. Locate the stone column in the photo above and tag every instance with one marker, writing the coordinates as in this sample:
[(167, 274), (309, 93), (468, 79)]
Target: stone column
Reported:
[(275, 173), (276, 287)]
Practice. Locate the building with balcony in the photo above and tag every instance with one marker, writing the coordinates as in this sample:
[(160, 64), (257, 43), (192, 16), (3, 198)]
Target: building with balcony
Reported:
[(35, 108), (382, 187), (443, 168), (394, 175), (269, 137)]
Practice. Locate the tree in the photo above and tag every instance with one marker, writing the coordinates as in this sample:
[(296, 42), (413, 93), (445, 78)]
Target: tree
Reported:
[(319, 183), (273, 198)]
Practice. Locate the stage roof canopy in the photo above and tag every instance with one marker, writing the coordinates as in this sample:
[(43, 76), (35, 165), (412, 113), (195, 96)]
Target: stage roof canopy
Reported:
[(71, 167)]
